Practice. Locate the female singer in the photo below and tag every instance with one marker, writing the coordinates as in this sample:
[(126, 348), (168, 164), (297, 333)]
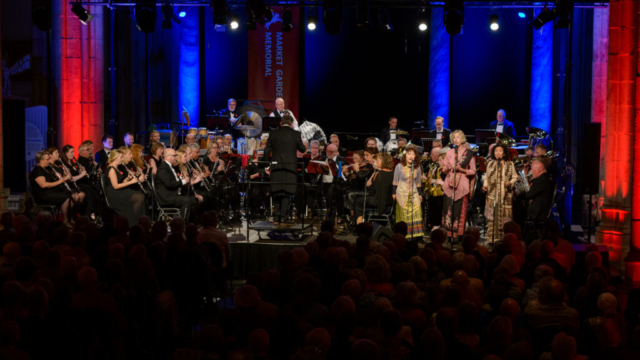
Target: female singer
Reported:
[(54, 161), (50, 187), (498, 184), (182, 156), (462, 160), (156, 156), (119, 190), (80, 176), (379, 186), (407, 181)]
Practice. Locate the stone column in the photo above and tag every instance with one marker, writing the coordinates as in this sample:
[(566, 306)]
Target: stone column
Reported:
[(599, 83), (615, 228), (78, 73), (541, 77)]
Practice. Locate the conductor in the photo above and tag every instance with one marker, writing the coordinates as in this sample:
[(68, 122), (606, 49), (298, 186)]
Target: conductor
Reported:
[(281, 149)]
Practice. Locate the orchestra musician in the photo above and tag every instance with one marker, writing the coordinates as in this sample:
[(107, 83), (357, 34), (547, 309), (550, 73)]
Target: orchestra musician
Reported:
[(283, 142), (230, 112), (128, 139), (154, 137), (170, 188), (49, 187), (434, 182), (371, 142), (357, 175), (549, 163), (336, 141), (379, 186), (502, 125), (386, 132), (85, 158), (181, 168), (541, 192), (499, 181), (281, 111), (204, 188), (333, 184), (156, 156), (227, 145), (462, 160), (407, 192), (311, 177), (119, 189), (189, 139), (259, 192), (57, 166), (311, 131), (440, 132), (81, 178), (102, 156)]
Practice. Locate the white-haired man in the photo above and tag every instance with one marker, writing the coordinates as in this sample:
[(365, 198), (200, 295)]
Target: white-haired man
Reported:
[(281, 111)]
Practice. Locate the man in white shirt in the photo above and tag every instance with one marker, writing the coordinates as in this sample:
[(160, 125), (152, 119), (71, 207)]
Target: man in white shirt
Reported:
[(502, 125), (281, 111), (169, 186), (440, 132)]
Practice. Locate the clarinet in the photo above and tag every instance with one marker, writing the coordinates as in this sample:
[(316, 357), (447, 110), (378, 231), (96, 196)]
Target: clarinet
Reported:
[(135, 177), (60, 177), (141, 173), (194, 172), (184, 170), (66, 171)]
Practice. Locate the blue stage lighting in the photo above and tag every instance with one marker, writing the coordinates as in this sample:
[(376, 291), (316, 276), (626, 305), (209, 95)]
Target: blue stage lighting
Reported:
[(521, 15), (184, 13)]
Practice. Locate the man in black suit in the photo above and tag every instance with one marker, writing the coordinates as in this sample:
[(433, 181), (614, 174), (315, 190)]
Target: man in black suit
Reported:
[(102, 156), (540, 193), (333, 185), (154, 137), (502, 125), (336, 141), (128, 139), (440, 132), (230, 112), (386, 132), (283, 143), (169, 187)]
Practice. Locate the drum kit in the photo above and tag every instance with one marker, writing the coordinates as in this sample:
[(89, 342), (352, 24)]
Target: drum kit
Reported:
[(203, 136), (392, 145)]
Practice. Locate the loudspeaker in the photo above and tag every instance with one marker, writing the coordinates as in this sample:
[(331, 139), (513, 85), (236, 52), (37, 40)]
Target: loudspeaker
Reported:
[(381, 233), (590, 159)]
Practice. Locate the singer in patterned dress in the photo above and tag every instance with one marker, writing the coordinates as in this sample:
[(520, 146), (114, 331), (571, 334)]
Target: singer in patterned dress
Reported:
[(498, 184), (454, 218), (408, 192)]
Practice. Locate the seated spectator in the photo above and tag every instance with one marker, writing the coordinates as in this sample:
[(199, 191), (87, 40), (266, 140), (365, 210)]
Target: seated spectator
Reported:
[(550, 309), (211, 233), (378, 275)]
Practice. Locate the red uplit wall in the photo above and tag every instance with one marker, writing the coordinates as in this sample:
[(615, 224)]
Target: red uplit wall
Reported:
[(78, 69)]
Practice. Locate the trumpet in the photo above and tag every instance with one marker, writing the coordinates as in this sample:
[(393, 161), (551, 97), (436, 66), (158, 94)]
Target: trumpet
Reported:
[(60, 177), (66, 171), (135, 177)]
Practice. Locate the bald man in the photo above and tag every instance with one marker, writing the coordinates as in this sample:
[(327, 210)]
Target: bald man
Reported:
[(540, 193), (171, 189)]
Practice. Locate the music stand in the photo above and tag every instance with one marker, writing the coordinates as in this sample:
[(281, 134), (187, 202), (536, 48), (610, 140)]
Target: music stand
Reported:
[(485, 135), (217, 122), (270, 123), (427, 144)]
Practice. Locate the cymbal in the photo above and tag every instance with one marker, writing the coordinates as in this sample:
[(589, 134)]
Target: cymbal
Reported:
[(245, 127), (251, 115), (506, 140), (537, 133), (399, 132)]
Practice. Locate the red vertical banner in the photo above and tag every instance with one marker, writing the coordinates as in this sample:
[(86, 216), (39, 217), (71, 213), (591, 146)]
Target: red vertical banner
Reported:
[(273, 62)]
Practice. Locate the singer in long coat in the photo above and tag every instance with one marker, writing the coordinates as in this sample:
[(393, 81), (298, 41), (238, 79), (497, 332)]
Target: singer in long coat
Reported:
[(455, 216), (498, 183)]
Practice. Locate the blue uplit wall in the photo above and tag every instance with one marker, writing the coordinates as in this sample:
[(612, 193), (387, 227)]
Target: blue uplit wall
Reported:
[(541, 77), (439, 50), (189, 68)]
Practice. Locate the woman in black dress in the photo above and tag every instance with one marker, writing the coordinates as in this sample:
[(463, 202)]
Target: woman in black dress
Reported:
[(79, 195), (81, 178), (49, 187), (120, 195), (379, 186), (156, 156)]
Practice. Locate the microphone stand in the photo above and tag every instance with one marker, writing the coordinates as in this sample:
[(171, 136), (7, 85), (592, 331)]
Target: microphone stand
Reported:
[(495, 202), (412, 197), (453, 197)]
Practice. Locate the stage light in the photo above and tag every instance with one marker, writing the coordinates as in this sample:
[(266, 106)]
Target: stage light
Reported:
[(544, 17), (384, 21), (423, 20), (332, 16), (363, 16), (145, 13), (41, 14), (81, 13), (287, 20), (312, 18), (234, 20), (262, 13), (453, 16), (493, 22), (522, 15), (168, 16), (219, 12), (182, 14)]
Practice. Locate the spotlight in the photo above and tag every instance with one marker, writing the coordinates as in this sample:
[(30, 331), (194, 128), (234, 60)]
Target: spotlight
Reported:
[(262, 13), (219, 12), (423, 20), (453, 16), (145, 12), (332, 16), (81, 13), (363, 16), (312, 18), (41, 14), (384, 21), (544, 17), (522, 15), (493, 22), (168, 16), (182, 14), (234, 20), (287, 20)]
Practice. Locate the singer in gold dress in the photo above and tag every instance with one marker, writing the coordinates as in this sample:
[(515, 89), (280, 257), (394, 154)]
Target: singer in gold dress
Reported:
[(498, 184), (408, 192)]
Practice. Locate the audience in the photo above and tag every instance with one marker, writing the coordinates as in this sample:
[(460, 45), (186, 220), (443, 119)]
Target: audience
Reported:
[(157, 291)]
